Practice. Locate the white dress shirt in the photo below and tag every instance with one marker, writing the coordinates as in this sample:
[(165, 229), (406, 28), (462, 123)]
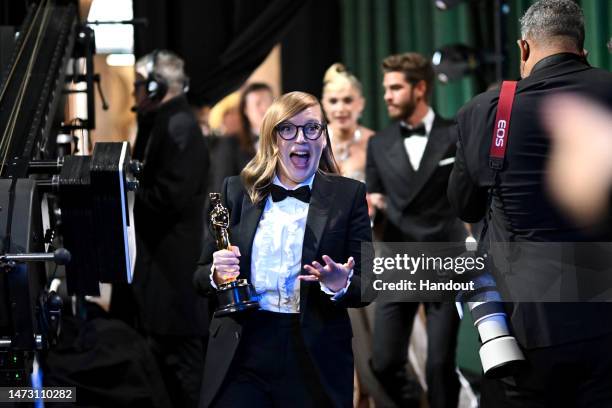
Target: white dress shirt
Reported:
[(276, 259), (415, 144)]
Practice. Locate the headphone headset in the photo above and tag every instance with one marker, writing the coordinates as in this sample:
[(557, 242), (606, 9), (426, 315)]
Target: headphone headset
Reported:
[(156, 87)]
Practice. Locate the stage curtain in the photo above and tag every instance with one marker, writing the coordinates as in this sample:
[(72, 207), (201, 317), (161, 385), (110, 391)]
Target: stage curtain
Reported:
[(374, 29), (222, 41)]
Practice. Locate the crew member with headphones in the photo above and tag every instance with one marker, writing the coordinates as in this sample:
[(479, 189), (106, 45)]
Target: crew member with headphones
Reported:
[(150, 88), (169, 219)]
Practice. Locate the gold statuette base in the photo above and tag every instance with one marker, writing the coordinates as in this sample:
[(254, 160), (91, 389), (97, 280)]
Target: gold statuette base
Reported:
[(236, 296)]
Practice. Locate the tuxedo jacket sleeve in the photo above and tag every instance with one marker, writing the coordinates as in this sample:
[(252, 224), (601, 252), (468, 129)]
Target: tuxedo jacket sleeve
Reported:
[(373, 180), (354, 242)]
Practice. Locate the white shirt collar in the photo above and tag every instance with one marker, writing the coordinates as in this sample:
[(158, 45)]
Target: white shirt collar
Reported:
[(307, 182), (428, 121)]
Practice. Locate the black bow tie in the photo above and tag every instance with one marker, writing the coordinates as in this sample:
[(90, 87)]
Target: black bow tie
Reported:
[(410, 131), (279, 194)]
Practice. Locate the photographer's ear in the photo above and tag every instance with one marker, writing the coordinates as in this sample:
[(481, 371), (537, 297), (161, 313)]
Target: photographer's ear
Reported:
[(525, 51), (524, 47)]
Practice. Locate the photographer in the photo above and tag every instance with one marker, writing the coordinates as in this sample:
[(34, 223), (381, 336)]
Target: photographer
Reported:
[(566, 344)]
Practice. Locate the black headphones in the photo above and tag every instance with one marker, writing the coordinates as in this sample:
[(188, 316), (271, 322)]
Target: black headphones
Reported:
[(156, 87)]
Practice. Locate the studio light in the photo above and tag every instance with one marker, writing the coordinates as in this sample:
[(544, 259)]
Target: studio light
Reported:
[(446, 4), (454, 61)]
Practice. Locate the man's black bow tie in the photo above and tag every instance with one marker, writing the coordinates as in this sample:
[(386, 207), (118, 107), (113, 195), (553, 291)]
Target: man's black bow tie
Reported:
[(279, 194), (410, 131)]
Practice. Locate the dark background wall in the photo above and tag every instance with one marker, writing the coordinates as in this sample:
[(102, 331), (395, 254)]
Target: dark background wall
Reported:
[(222, 41), (311, 45)]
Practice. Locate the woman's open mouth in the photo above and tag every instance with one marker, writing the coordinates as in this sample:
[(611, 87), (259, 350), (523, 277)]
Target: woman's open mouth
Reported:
[(300, 159)]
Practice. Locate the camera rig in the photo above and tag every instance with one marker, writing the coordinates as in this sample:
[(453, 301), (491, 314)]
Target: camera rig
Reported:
[(50, 197)]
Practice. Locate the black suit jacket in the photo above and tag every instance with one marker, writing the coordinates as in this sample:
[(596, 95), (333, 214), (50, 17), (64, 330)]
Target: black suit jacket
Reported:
[(522, 210), (337, 225), (168, 216), (417, 207)]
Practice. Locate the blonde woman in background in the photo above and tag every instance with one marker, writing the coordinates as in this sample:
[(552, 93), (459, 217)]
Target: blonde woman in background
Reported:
[(343, 103)]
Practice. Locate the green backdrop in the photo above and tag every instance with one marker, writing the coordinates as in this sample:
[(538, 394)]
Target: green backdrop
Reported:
[(373, 29)]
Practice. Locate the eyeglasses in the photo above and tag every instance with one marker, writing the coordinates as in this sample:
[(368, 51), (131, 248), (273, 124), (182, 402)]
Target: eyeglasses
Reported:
[(289, 131)]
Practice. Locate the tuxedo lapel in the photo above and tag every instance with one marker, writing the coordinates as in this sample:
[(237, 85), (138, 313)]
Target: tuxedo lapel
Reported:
[(249, 219), (437, 146), (395, 154), (318, 212)]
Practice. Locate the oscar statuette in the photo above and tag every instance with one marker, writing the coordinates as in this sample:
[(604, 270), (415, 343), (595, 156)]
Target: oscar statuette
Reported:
[(233, 295)]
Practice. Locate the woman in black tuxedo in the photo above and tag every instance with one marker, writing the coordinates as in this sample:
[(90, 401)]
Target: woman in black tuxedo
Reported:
[(297, 230)]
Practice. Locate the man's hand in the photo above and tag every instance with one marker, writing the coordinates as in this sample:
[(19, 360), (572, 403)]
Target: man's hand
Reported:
[(378, 200), (226, 265), (333, 275)]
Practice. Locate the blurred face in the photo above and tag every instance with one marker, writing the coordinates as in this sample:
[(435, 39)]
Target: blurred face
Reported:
[(343, 107), (399, 96), (299, 157), (203, 116), (231, 121), (139, 90), (256, 105), (143, 103)]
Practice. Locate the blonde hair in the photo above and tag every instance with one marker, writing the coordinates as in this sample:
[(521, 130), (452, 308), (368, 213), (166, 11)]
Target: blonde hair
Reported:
[(218, 111), (258, 174), (337, 77)]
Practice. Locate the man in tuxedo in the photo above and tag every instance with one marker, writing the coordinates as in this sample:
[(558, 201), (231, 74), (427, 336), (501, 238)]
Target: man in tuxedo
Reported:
[(168, 219), (567, 345), (407, 170)]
